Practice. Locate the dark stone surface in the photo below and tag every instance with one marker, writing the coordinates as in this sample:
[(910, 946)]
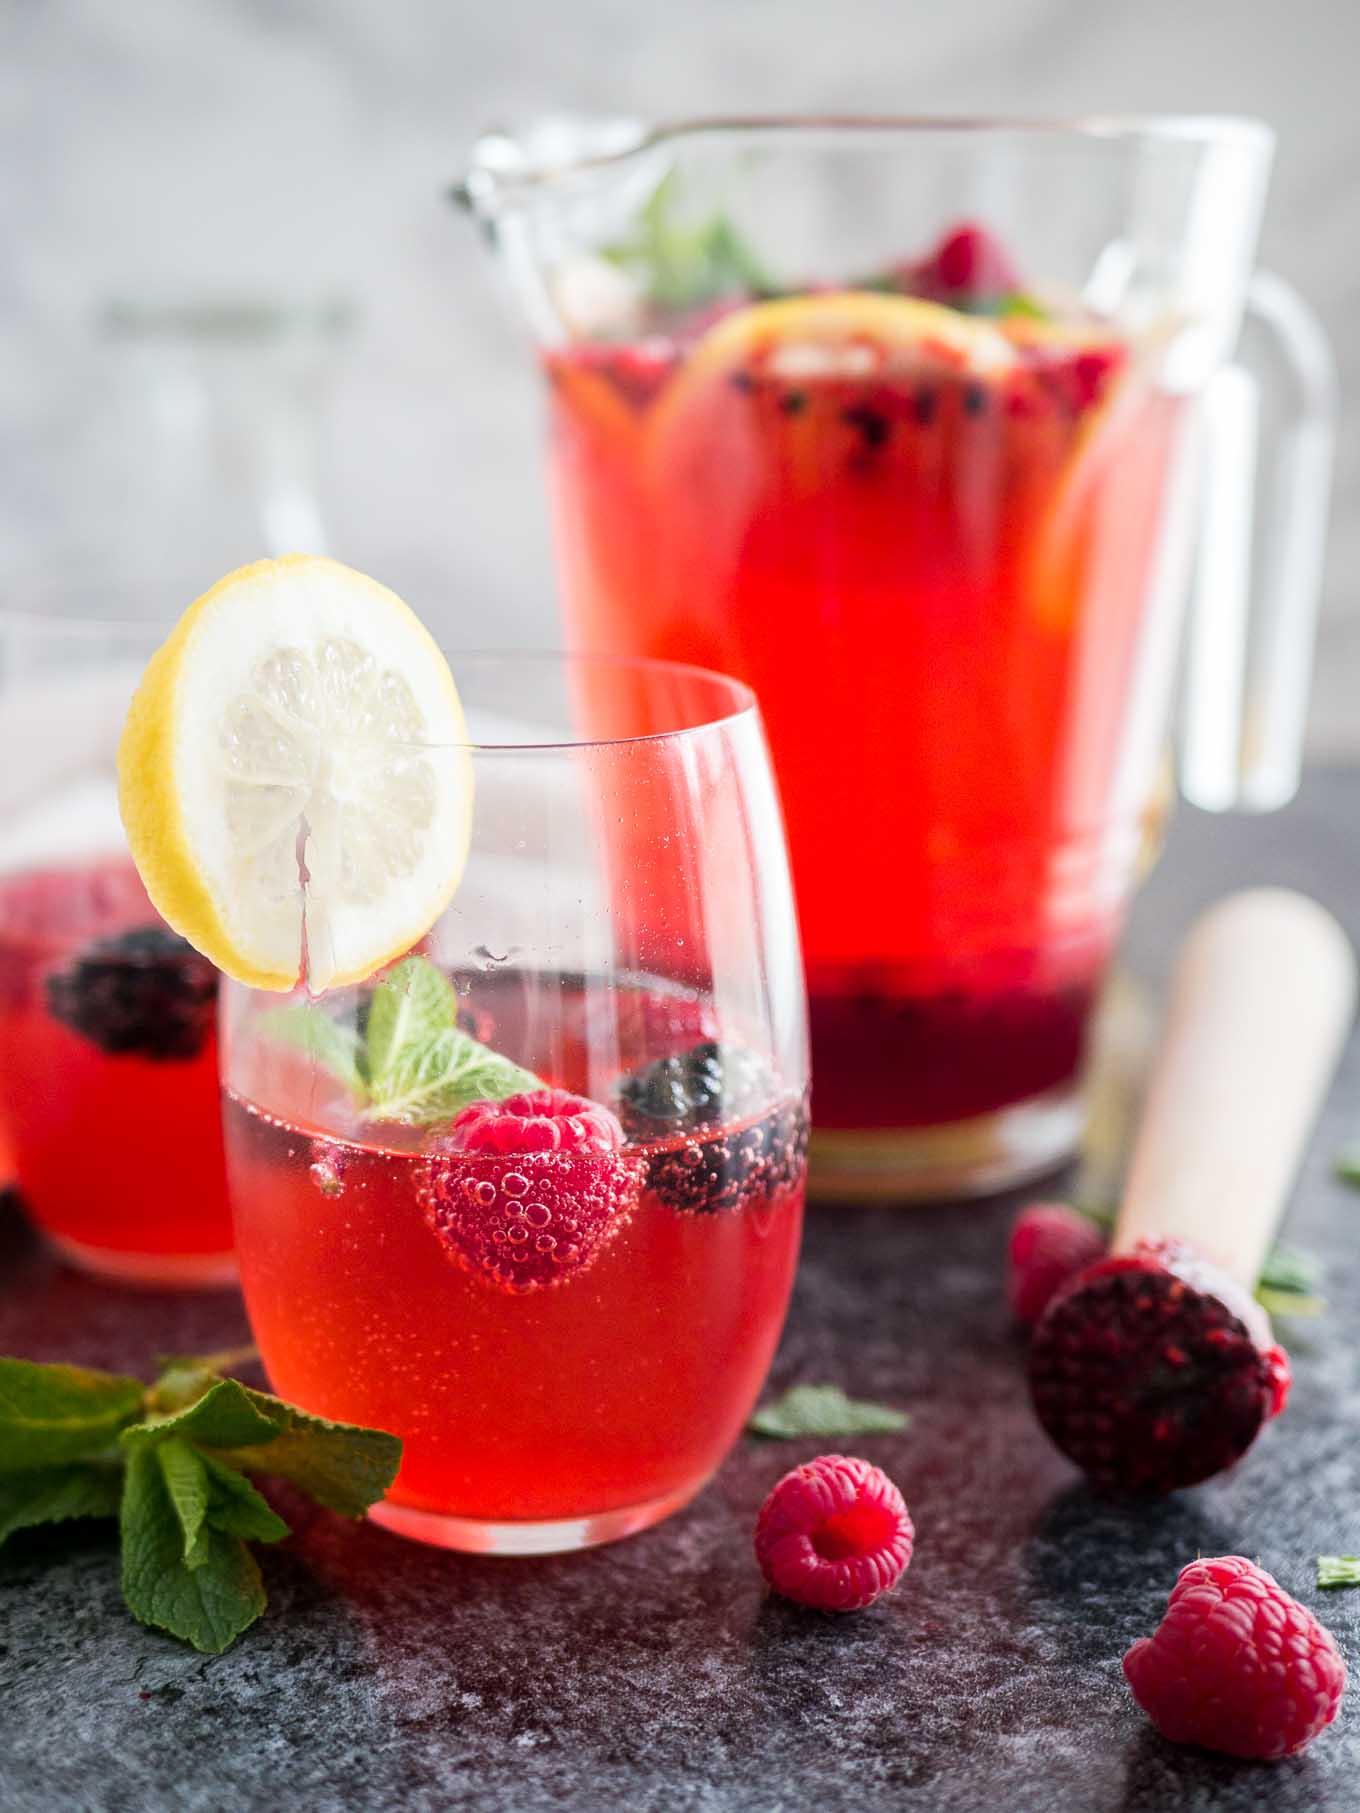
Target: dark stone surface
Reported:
[(657, 1675)]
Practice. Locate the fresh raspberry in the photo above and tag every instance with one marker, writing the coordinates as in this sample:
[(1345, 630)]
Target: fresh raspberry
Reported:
[(968, 264), (834, 1534), (527, 1193), (1050, 1243), (545, 1120), (1236, 1664)]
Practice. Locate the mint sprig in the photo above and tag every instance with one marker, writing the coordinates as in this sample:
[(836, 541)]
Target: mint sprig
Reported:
[(683, 263), (823, 1411), (172, 1462), (1347, 1164), (412, 1063), (1338, 1570)]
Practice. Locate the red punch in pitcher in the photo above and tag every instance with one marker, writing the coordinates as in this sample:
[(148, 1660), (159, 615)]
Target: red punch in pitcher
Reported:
[(924, 430)]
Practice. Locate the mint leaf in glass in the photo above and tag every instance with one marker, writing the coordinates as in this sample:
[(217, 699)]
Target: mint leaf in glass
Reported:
[(412, 1006), (208, 1603), (308, 1028), (431, 1079), (51, 1414), (823, 1411), (1348, 1164), (1338, 1570), (58, 1495), (414, 1063)]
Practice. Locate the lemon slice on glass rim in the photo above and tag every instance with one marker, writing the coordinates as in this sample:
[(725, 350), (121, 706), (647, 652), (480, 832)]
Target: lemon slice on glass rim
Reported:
[(294, 778)]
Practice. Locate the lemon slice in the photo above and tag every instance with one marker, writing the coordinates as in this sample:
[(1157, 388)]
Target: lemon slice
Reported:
[(293, 776), (847, 333)]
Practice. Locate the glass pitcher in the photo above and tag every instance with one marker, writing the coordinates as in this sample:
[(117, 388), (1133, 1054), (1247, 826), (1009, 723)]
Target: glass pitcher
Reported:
[(927, 429)]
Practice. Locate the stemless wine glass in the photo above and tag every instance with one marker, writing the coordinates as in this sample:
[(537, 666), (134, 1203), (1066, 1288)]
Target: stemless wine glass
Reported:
[(531, 1197), (108, 1066)]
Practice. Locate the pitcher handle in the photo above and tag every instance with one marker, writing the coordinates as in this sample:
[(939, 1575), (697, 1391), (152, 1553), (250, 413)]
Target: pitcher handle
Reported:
[(1258, 563)]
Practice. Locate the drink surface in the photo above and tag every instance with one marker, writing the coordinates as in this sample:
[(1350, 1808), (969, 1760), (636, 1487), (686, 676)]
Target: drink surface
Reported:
[(108, 1068), (926, 537), (394, 1281)]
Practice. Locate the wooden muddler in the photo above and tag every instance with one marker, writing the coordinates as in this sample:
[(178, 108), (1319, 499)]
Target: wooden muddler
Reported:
[(1155, 1368)]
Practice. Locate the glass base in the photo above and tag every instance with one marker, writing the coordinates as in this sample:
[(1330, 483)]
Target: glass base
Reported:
[(978, 1157), (477, 1536), (152, 1271)]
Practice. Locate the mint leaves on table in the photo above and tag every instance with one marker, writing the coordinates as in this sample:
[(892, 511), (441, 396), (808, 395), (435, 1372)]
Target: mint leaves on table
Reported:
[(412, 1062), (172, 1462), (1338, 1570), (823, 1411), (681, 264)]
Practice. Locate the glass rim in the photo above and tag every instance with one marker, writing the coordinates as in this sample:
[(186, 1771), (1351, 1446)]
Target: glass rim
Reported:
[(742, 701), (484, 179)]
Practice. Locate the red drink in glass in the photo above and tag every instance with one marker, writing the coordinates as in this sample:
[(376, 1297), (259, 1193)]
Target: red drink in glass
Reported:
[(606, 1397), (108, 1076), (530, 1197)]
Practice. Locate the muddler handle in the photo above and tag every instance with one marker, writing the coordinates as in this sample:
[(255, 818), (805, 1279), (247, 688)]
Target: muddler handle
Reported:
[(1260, 1004)]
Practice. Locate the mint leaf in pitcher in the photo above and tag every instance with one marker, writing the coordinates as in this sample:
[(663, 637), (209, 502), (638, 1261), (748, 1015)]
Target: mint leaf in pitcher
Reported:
[(683, 263)]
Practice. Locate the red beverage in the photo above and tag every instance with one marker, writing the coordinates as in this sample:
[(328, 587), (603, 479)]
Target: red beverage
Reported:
[(108, 1076), (603, 1389), (926, 537)]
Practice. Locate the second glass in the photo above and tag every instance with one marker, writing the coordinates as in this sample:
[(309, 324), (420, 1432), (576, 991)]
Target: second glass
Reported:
[(566, 1304)]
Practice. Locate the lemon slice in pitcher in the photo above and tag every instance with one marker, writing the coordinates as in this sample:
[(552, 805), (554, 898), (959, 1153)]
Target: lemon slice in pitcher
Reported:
[(293, 775)]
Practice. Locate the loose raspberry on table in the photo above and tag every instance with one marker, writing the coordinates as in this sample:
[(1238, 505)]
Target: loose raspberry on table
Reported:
[(544, 1120), (527, 1193), (1049, 1245), (834, 1534), (1237, 1665)]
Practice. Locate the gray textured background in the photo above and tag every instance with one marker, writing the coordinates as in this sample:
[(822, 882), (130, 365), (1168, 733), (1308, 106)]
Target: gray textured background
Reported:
[(299, 147)]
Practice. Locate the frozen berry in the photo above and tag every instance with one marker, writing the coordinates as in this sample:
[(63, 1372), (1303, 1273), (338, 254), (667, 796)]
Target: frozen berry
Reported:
[(527, 1193), (834, 1534), (700, 1087), (740, 1165), (544, 1120), (1049, 1244), (1152, 1370), (144, 993), (1236, 1664)]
